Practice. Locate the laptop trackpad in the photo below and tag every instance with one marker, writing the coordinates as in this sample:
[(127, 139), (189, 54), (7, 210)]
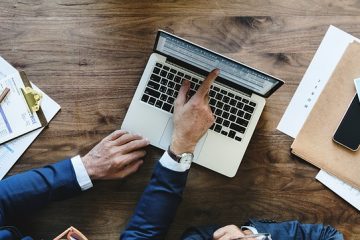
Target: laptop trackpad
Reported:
[(167, 134)]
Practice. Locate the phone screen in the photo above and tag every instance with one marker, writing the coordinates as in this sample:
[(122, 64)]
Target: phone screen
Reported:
[(348, 132)]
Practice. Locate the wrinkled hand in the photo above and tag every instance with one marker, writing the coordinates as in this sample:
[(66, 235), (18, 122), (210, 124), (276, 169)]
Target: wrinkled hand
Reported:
[(116, 156), (192, 117), (230, 232)]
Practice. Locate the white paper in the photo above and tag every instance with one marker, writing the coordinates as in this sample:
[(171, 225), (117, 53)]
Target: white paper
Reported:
[(315, 78), (11, 151), (16, 118), (351, 195)]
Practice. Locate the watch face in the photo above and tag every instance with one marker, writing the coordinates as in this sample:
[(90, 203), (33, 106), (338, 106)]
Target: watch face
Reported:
[(187, 158)]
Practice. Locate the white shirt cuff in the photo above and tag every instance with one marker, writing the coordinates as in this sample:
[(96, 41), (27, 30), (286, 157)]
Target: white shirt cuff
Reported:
[(254, 230), (169, 163), (82, 176)]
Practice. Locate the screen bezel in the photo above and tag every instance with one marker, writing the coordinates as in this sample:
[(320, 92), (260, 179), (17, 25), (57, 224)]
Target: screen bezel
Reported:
[(278, 84)]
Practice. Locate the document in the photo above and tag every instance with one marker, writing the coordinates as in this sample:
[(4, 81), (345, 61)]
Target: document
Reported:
[(315, 78), (11, 151), (23, 120)]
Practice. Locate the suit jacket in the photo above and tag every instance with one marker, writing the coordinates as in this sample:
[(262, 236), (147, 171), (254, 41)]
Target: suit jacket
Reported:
[(157, 208), (24, 193)]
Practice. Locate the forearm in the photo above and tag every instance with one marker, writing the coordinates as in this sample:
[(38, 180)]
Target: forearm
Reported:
[(24, 193), (157, 206)]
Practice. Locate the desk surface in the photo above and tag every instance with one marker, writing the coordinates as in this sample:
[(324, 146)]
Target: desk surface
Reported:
[(89, 56)]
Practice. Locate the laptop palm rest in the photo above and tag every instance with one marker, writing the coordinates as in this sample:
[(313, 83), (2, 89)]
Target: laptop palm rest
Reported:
[(165, 139)]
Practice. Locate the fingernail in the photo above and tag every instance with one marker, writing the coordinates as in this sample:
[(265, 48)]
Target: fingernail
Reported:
[(217, 71), (147, 141)]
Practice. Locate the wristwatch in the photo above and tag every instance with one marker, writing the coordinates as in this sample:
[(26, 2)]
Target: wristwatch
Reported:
[(184, 158)]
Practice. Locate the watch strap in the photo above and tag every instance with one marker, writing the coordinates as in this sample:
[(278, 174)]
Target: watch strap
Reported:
[(177, 158)]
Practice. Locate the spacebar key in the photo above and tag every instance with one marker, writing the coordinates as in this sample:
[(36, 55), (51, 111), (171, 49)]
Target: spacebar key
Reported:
[(237, 128), (152, 92)]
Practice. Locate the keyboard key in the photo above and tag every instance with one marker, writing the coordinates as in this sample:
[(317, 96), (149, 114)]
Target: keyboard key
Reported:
[(170, 76), (162, 89), (164, 81), (192, 85), (152, 101), (238, 139), (242, 122), (170, 100), (166, 107), (252, 104), (166, 68), (212, 126), (226, 123), (158, 65), (171, 84), (195, 80), (170, 92), (233, 110), (225, 115), (223, 91), (226, 107), (177, 87), (163, 97), (163, 73), (218, 112), (249, 109), (240, 105), (232, 102), (156, 70), (212, 93), (241, 113), (144, 98), (187, 77), (216, 89), (173, 71), (226, 99), (212, 108), (231, 95), (219, 120), (196, 87), (175, 94), (155, 78), (237, 128), (219, 96), (224, 133), (238, 98), (217, 128), (232, 134), (232, 118), (153, 85), (152, 92), (191, 93), (212, 102), (158, 103), (180, 74), (177, 79), (219, 104), (247, 116), (245, 100)]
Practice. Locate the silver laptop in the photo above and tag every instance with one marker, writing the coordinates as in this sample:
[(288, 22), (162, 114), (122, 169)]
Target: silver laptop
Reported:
[(237, 99)]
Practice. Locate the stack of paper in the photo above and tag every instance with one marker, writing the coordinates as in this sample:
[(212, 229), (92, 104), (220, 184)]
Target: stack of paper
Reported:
[(315, 78), (11, 151)]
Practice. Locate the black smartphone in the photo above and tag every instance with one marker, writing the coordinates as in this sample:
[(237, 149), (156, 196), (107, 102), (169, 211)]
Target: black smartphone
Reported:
[(348, 132)]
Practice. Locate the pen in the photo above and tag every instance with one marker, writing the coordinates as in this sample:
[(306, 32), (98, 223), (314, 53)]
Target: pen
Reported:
[(3, 94)]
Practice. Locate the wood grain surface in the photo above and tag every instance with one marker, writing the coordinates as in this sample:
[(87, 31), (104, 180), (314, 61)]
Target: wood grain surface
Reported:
[(89, 55)]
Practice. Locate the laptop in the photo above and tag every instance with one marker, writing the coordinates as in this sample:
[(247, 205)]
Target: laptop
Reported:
[(237, 99)]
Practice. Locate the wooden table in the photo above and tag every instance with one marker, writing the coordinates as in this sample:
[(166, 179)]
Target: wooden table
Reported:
[(89, 55)]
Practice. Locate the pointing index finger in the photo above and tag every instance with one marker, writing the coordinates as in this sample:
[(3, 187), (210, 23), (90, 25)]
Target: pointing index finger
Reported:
[(205, 86)]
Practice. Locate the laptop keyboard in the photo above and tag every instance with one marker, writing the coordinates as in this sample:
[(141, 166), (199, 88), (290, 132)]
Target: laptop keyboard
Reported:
[(232, 110)]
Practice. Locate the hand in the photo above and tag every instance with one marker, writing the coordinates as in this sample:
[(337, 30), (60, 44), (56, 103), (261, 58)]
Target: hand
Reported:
[(192, 117), (116, 156), (230, 232)]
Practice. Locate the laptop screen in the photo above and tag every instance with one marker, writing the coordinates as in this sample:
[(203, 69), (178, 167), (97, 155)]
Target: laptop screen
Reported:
[(183, 50)]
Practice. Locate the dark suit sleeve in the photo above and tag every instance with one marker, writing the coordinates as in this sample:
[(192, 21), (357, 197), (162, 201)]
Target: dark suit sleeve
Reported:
[(24, 193), (297, 230), (157, 206)]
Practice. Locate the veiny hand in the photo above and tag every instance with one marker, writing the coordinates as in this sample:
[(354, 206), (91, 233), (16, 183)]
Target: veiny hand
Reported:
[(230, 232), (192, 117), (116, 156)]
